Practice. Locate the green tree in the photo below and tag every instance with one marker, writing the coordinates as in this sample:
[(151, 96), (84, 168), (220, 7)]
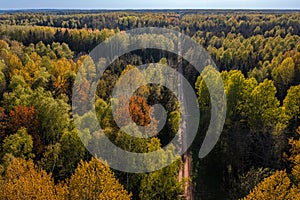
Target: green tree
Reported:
[(71, 152), (174, 122), (235, 84), (291, 104), (19, 144), (3, 83), (263, 107), (286, 71), (53, 113), (22, 116), (51, 160), (162, 184), (283, 75), (104, 113)]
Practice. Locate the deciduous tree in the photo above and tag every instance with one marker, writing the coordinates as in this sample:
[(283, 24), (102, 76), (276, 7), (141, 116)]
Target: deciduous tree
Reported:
[(94, 180), (23, 180)]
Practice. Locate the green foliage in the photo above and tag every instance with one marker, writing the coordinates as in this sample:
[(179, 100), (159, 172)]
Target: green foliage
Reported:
[(174, 121), (53, 113), (162, 184), (71, 152), (62, 158), (285, 72), (19, 144), (17, 80), (263, 108), (2, 77), (235, 84), (291, 103), (50, 160), (104, 113), (210, 75)]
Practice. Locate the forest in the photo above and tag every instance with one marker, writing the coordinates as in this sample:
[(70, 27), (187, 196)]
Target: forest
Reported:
[(42, 155)]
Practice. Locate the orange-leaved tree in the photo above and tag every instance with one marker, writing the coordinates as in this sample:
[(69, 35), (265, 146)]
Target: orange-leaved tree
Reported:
[(23, 116)]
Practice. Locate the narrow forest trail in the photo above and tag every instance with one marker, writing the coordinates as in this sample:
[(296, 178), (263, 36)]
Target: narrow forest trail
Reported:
[(185, 173)]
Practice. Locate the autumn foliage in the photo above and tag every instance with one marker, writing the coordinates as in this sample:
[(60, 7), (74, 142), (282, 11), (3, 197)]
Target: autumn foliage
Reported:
[(22, 116), (94, 180), (23, 180)]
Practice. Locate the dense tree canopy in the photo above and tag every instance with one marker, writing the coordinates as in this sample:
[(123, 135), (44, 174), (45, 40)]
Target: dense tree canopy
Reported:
[(43, 155)]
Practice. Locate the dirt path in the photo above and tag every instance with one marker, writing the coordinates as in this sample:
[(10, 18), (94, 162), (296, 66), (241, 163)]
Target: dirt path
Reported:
[(185, 173)]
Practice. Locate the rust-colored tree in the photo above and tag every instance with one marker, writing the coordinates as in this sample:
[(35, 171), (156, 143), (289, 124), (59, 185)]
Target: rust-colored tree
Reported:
[(140, 114), (23, 116), (139, 111)]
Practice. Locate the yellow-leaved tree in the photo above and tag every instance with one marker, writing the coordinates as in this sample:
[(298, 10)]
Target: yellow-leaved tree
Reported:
[(23, 180), (94, 180)]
